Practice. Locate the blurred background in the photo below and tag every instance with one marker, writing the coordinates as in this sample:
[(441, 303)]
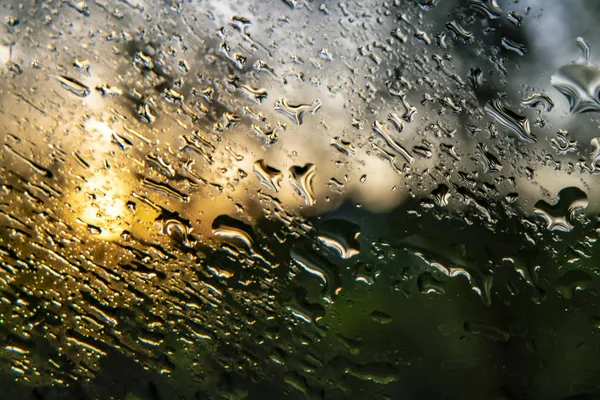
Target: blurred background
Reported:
[(299, 199)]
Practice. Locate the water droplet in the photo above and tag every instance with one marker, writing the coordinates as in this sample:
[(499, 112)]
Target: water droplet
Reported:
[(165, 189), (441, 195), (12, 21), (255, 94), (538, 98), (579, 82), (459, 31), (145, 113), (302, 181), (571, 282), (513, 46), (377, 372), (515, 18), (510, 120), (94, 230), (109, 91), (487, 331), (562, 144), (318, 266), (340, 236), (397, 147), (559, 216), (429, 285), (233, 230), (476, 77), (595, 142), (296, 112), (427, 4), (489, 8), (381, 317), (490, 162), (73, 86), (83, 66), (268, 176)]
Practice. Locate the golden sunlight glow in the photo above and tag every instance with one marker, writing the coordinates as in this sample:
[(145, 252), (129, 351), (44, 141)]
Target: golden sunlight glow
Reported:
[(99, 204)]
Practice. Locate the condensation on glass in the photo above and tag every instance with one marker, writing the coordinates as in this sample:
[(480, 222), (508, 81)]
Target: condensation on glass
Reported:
[(299, 199)]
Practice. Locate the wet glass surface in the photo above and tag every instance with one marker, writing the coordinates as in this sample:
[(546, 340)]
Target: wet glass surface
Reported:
[(299, 199)]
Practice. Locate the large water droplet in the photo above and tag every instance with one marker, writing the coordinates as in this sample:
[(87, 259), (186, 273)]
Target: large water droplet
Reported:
[(340, 236), (510, 120), (579, 82), (559, 216)]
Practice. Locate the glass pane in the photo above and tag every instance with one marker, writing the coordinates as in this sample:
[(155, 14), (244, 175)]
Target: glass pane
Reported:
[(299, 199)]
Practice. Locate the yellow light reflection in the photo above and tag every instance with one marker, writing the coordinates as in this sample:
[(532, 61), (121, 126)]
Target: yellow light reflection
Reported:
[(100, 205)]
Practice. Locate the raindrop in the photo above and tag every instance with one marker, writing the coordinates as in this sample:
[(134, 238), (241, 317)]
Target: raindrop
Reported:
[(559, 217)]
